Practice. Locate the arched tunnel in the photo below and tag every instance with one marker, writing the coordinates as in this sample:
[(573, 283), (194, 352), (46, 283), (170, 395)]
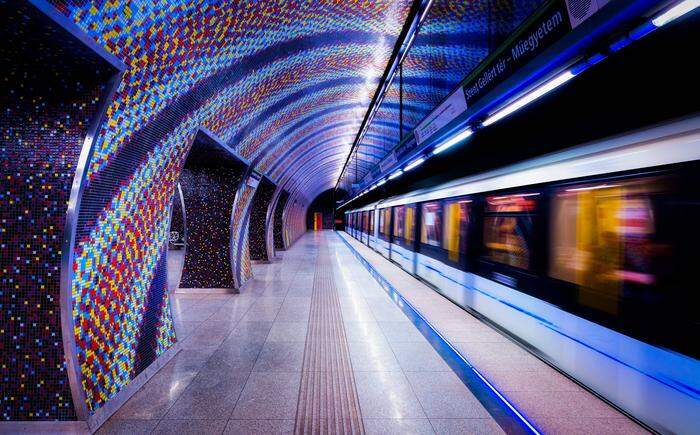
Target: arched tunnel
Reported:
[(327, 216)]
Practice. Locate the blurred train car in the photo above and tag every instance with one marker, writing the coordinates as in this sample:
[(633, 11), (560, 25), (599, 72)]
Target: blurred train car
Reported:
[(587, 256)]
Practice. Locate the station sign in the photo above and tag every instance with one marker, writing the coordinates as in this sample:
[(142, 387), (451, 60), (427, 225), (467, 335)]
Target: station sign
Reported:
[(451, 108), (539, 32)]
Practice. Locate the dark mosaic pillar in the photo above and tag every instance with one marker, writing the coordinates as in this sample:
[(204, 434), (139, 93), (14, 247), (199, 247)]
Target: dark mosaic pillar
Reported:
[(278, 223), (257, 237), (209, 189), (51, 90)]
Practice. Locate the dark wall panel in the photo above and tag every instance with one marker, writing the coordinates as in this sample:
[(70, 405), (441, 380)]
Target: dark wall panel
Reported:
[(50, 90), (209, 189), (258, 220), (278, 224)]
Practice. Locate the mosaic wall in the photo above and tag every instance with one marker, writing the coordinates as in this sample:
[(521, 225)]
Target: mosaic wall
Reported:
[(453, 39), (177, 222), (257, 228), (45, 116), (277, 223), (294, 222), (209, 193), (254, 75), (239, 243)]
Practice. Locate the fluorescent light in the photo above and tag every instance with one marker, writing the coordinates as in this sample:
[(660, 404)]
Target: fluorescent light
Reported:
[(395, 174), (453, 140), (414, 164), (372, 187), (425, 12), (381, 182), (678, 10), (530, 97), (601, 186)]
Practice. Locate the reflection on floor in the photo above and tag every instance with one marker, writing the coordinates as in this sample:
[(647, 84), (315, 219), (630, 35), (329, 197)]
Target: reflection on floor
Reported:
[(176, 259), (314, 345), (241, 366), (550, 400)]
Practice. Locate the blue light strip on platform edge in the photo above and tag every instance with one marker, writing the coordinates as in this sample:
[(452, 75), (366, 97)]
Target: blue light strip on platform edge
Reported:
[(443, 346)]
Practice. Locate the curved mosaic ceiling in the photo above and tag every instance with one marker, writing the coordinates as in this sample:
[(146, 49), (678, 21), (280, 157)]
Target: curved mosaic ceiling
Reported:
[(452, 40), (286, 84)]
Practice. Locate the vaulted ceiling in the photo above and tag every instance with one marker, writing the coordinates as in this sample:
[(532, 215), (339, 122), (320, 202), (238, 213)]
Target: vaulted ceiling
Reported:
[(285, 83)]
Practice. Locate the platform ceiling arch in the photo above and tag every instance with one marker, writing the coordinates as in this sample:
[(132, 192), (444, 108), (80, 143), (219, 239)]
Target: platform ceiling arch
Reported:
[(262, 75)]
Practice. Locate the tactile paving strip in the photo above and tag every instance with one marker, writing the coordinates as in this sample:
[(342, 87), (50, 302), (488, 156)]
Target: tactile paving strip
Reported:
[(328, 401)]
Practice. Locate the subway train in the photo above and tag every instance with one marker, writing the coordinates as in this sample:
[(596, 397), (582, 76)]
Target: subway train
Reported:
[(589, 257)]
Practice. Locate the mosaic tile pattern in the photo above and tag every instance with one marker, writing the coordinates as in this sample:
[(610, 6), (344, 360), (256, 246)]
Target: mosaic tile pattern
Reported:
[(294, 221), (239, 244), (277, 224), (45, 116), (252, 73), (209, 195), (177, 222), (257, 229), (453, 39)]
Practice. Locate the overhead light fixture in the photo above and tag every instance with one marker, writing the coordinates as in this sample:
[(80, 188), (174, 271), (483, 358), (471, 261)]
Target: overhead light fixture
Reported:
[(372, 187), (414, 164), (530, 97), (459, 137), (425, 12), (395, 174), (676, 11), (381, 182)]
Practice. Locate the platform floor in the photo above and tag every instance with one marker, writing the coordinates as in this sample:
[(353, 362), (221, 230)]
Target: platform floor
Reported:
[(315, 345)]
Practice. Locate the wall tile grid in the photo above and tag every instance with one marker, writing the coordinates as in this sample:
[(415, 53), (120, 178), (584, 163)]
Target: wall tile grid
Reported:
[(209, 194), (277, 224), (220, 65), (257, 237), (45, 116), (240, 244), (453, 39)]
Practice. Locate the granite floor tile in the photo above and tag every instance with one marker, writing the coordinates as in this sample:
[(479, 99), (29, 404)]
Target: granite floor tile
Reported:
[(418, 356), (403, 331), (387, 395), (443, 395), (211, 395), (190, 427), (269, 395), (397, 426), (127, 427), (458, 426), (372, 355), (281, 356), (259, 427), (288, 331)]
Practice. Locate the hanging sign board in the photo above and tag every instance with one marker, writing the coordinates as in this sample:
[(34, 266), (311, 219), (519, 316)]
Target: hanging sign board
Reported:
[(549, 25), (448, 110)]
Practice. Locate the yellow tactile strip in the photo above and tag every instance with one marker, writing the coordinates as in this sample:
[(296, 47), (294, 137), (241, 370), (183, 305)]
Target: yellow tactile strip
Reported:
[(328, 402)]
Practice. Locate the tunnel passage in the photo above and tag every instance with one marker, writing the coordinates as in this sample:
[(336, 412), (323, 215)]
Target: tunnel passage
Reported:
[(321, 213), (257, 237), (209, 182)]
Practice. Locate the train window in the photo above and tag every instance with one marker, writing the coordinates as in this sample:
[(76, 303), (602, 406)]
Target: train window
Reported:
[(385, 223), (509, 229), (454, 240), (410, 224), (371, 222), (431, 224), (602, 239), (404, 224), (399, 217)]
